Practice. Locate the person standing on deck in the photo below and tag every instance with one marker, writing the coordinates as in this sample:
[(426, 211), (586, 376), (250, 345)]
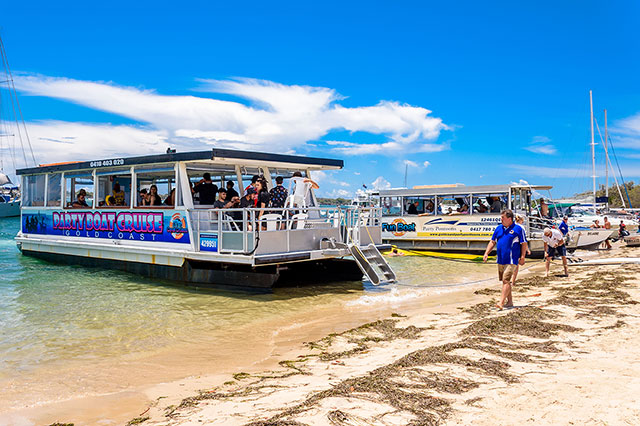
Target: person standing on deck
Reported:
[(554, 244), (206, 189), (564, 225), (511, 247)]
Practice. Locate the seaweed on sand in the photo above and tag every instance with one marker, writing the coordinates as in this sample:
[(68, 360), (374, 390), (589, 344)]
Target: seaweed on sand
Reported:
[(487, 291), (479, 310), (377, 331), (527, 321)]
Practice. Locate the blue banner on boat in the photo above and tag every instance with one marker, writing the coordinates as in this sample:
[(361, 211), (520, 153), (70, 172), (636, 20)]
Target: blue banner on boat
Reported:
[(159, 226), (208, 242)]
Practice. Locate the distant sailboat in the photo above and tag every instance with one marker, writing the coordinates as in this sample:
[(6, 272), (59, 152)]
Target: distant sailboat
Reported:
[(11, 130)]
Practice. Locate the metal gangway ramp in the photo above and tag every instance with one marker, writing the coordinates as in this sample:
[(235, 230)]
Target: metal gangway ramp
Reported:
[(372, 264)]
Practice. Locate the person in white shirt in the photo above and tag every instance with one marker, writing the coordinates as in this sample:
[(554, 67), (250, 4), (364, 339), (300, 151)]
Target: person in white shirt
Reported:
[(554, 244)]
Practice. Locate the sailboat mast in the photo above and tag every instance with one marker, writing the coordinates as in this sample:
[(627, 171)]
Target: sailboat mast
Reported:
[(606, 159), (593, 152)]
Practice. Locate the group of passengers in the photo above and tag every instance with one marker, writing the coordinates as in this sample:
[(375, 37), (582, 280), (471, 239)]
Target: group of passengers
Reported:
[(116, 198), (492, 205), (256, 195)]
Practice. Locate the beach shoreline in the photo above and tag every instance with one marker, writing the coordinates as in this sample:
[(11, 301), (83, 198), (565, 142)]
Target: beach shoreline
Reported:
[(438, 321)]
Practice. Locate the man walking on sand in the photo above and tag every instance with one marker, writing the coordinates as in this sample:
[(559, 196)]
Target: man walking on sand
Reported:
[(511, 249), (554, 244)]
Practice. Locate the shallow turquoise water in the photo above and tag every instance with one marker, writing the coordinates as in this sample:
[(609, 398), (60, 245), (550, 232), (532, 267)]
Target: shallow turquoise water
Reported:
[(52, 314)]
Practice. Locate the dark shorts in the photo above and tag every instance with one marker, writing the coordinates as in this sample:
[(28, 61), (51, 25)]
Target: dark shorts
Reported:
[(557, 251)]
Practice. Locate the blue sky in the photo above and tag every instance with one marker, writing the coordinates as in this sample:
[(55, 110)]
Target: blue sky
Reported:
[(506, 85)]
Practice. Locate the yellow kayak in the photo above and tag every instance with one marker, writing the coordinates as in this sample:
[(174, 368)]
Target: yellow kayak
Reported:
[(460, 256)]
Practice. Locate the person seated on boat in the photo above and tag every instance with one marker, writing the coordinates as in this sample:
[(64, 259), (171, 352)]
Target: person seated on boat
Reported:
[(596, 224), (254, 179), (430, 207), (496, 205), (463, 209), (413, 207), (143, 197), (153, 199), (118, 195), (206, 190), (221, 202), (481, 207), (80, 202), (171, 198)]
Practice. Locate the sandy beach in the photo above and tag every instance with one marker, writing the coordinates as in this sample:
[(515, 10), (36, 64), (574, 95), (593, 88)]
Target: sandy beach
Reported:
[(565, 355)]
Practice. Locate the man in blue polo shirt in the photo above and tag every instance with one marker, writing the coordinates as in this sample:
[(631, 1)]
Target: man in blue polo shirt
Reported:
[(564, 225), (511, 243)]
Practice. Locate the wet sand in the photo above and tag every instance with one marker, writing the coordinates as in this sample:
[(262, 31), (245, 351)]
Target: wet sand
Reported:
[(567, 354)]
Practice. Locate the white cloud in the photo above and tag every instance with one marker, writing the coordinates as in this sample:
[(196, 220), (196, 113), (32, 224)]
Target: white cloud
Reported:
[(352, 148), (426, 164), (339, 193), (410, 163), (541, 145), (381, 183), (542, 149), (57, 141), (279, 118)]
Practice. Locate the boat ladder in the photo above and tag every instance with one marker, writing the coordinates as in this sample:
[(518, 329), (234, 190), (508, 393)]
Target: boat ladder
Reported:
[(372, 264)]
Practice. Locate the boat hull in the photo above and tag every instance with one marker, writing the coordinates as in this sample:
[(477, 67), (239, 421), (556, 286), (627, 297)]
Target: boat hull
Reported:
[(220, 275), (10, 209), (632, 240)]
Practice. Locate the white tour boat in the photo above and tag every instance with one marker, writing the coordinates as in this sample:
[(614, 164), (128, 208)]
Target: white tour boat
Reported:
[(457, 218), (187, 241)]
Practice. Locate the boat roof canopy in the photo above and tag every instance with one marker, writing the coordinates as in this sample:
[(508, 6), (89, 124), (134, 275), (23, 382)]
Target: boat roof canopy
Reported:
[(212, 157), (457, 190)]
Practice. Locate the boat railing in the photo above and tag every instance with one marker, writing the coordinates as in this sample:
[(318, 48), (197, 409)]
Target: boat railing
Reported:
[(277, 230), (540, 223)]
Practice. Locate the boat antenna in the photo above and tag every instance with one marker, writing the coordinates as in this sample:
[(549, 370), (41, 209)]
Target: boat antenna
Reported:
[(593, 153), (606, 161), (15, 105), (406, 169)]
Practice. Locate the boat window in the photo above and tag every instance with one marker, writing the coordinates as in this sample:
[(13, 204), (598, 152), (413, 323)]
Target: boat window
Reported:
[(489, 203), (33, 194), (54, 190), (79, 191), (391, 206), (156, 188), (114, 190), (454, 204)]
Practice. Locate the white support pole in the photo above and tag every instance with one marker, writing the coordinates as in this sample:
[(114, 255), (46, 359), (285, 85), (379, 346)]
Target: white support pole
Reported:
[(593, 153), (134, 187), (606, 159), (240, 184), (185, 188)]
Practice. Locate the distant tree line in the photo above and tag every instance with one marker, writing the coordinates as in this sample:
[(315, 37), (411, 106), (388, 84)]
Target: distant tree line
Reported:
[(614, 196), (333, 201)]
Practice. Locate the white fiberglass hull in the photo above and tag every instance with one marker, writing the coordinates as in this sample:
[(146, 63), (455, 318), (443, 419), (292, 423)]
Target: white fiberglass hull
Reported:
[(632, 240), (591, 238), (10, 209)]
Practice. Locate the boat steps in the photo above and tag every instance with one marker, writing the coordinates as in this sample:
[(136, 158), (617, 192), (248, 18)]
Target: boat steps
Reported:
[(373, 265)]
